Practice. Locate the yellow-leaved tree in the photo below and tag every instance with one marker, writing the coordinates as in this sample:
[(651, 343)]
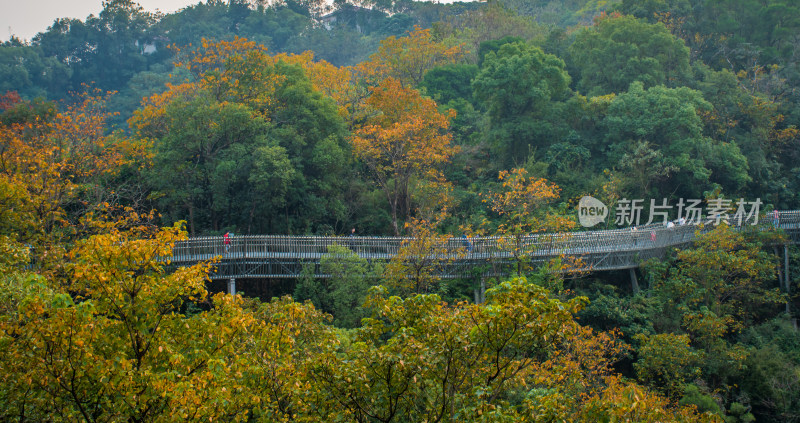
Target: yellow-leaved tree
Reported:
[(408, 58), (523, 203), (111, 339), (407, 137), (520, 357), (58, 165)]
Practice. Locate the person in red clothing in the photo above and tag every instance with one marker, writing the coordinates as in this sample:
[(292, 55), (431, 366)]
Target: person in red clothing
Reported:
[(226, 240)]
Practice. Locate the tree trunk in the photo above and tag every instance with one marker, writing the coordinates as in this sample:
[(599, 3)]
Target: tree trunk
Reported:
[(191, 218), (392, 197), (394, 221), (251, 217)]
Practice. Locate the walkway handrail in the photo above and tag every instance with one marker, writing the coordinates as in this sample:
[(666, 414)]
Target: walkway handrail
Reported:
[(655, 237)]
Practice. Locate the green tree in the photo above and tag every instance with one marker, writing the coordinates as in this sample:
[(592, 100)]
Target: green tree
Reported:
[(619, 50), (26, 70), (523, 89), (266, 151), (451, 82), (662, 128), (758, 126), (206, 159), (276, 27), (667, 361), (771, 378), (343, 292), (738, 35), (212, 20), (104, 50)]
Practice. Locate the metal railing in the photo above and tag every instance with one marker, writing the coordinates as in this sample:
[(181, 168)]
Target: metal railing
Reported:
[(601, 250)]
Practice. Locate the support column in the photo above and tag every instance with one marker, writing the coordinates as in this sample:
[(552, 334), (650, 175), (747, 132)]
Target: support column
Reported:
[(786, 278), (232, 286), (786, 267), (780, 269), (480, 292), (634, 281)]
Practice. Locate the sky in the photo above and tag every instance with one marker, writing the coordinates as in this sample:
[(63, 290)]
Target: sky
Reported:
[(25, 18)]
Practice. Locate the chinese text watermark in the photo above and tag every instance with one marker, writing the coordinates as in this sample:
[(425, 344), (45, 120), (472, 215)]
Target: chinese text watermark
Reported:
[(629, 212)]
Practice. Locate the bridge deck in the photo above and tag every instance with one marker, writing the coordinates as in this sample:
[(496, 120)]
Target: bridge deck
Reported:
[(275, 256)]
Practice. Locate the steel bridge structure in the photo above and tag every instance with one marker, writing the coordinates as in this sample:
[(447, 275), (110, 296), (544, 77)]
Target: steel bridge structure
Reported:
[(275, 256)]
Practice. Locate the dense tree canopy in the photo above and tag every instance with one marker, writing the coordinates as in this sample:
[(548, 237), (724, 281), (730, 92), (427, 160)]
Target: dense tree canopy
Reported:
[(521, 86), (249, 142), (667, 121), (442, 122), (618, 50)]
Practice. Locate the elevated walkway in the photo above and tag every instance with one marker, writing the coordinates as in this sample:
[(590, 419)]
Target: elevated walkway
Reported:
[(275, 256)]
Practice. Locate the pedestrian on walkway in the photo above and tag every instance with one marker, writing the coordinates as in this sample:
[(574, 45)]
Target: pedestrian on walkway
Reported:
[(466, 243)]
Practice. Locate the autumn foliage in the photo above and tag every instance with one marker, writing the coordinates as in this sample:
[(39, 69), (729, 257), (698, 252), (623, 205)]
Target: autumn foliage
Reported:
[(406, 137), (96, 323), (523, 203), (8, 100), (52, 163), (408, 58)]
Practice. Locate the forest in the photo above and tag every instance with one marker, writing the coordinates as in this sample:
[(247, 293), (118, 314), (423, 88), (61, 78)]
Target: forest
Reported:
[(124, 133)]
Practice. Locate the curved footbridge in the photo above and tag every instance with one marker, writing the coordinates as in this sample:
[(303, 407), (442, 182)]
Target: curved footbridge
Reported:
[(273, 256)]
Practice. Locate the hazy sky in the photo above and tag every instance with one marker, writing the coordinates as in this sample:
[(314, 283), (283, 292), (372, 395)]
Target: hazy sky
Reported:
[(24, 18)]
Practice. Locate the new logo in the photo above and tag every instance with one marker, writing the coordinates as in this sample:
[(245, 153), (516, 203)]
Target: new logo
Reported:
[(591, 211)]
